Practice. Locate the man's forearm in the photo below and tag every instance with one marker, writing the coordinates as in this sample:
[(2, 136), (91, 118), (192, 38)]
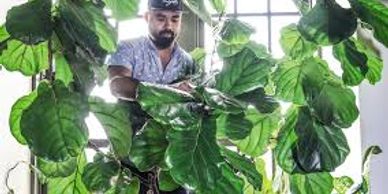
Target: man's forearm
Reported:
[(124, 87)]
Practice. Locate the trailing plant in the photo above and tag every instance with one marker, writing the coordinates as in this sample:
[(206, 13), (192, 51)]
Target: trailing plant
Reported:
[(210, 140)]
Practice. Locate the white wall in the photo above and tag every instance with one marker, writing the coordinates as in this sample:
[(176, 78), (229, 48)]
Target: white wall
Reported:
[(374, 126), (12, 86)]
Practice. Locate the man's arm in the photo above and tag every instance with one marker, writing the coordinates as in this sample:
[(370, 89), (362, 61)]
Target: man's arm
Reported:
[(122, 85)]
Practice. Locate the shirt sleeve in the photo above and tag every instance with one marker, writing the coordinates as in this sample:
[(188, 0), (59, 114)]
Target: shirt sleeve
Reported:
[(124, 56)]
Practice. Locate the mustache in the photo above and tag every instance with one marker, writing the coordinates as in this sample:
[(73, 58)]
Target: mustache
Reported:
[(167, 32)]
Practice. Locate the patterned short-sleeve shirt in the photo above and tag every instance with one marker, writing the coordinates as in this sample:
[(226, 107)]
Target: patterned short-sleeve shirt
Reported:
[(141, 57)]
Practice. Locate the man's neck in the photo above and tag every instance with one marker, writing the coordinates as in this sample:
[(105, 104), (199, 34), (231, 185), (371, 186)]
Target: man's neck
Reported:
[(165, 55)]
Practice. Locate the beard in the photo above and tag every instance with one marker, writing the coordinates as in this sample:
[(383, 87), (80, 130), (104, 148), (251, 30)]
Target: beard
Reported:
[(163, 39)]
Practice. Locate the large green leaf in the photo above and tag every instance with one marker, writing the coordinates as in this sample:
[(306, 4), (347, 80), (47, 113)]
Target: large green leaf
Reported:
[(85, 23), (267, 183), (334, 104), (4, 38), (149, 146), (353, 62), (72, 184), (306, 145), (335, 23), (290, 75), (217, 100), (199, 8), (123, 9), (53, 124), (358, 62), (314, 183), (168, 105), (294, 45), (236, 32), (199, 57), (374, 13), (16, 114), (57, 169), (63, 69), (302, 5), (236, 126), (245, 166), (263, 126), (243, 73), (166, 182), (30, 22), (98, 174), (28, 59), (115, 121), (261, 101), (190, 165), (219, 5)]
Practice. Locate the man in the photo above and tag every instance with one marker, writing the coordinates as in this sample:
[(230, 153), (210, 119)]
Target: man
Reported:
[(156, 58)]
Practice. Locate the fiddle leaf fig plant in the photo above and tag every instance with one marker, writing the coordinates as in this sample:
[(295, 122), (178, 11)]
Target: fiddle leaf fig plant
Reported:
[(213, 139)]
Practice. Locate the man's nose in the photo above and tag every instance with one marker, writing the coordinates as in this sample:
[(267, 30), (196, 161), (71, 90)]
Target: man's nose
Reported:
[(168, 25)]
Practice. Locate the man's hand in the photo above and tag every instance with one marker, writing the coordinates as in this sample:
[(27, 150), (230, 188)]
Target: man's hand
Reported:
[(183, 85)]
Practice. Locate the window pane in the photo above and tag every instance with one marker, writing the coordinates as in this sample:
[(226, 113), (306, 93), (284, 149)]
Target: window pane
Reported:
[(229, 7), (278, 22), (252, 6), (283, 6), (132, 28), (260, 23)]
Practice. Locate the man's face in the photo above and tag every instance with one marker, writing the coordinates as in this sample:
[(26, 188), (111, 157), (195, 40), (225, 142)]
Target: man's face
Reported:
[(164, 27)]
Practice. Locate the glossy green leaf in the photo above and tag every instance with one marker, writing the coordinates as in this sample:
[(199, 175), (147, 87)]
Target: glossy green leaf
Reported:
[(190, 165), (305, 145), (85, 23), (264, 125), (219, 5), (245, 166), (16, 114), (123, 9), (168, 106), (30, 22), (353, 62), (199, 8), (57, 169), (335, 23), (334, 104), (217, 100), (236, 32), (243, 73), (374, 13), (53, 124), (166, 182), (314, 183), (63, 69), (199, 56), (115, 121), (342, 184), (98, 174), (237, 127), (261, 101), (294, 45), (4, 38), (149, 146), (27, 59), (72, 184), (290, 75), (225, 49), (302, 5)]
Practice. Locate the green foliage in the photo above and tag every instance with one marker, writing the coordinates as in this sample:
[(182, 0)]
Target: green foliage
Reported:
[(47, 120), (114, 119), (186, 134), (30, 22), (374, 13), (335, 23)]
